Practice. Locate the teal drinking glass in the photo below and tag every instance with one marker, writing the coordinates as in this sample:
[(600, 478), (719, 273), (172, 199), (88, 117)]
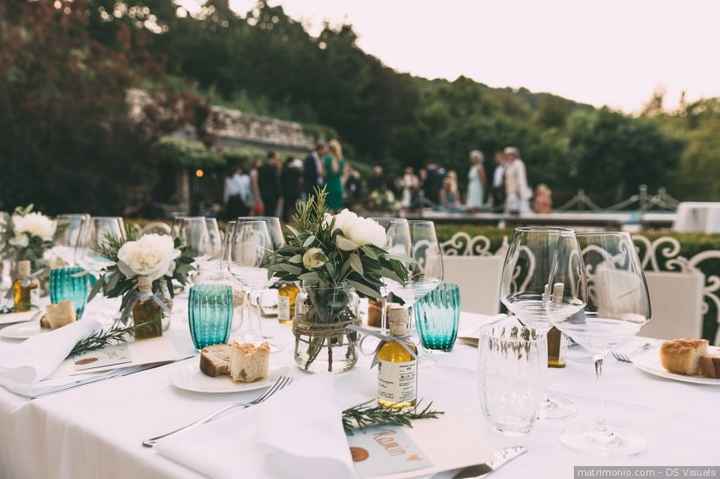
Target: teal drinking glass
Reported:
[(210, 312), (437, 316), (71, 283)]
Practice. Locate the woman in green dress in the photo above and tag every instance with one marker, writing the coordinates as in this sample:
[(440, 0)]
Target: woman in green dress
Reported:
[(335, 169)]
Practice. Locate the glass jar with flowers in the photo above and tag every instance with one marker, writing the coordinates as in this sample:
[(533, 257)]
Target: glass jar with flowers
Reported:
[(335, 258), (142, 273)]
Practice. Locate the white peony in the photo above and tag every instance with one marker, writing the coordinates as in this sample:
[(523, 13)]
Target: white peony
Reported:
[(152, 255), (358, 231), (34, 224)]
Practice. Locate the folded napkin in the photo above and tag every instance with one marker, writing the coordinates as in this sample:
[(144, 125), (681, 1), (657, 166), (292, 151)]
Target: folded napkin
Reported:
[(297, 433), (25, 364)]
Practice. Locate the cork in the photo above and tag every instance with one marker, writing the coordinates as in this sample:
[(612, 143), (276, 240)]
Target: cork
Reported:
[(397, 317), (23, 268)]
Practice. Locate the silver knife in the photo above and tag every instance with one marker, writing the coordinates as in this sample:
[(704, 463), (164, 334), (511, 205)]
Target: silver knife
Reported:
[(498, 459)]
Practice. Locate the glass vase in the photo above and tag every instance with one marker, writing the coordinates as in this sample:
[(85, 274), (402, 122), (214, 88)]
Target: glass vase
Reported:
[(323, 344)]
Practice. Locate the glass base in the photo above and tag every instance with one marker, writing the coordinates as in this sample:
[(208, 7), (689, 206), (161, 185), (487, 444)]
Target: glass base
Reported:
[(556, 408), (599, 439)]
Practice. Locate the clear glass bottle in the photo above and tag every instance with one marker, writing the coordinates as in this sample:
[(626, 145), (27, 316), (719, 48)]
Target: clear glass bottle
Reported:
[(287, 299), (397, 368), (147, 313), (23, 287)]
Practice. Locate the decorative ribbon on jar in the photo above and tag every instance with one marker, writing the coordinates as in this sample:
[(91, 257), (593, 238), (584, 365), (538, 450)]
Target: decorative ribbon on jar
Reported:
[(404, 341)]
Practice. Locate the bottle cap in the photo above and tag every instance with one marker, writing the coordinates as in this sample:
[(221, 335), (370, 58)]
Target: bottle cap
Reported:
[(24, 269), (144, 284), (398, 319)]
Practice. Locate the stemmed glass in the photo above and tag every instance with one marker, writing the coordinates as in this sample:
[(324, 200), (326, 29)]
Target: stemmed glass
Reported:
[(95, 234), (68, 235), (398, 242), (618, 305), (274, 229), (541, 285), (247, 247), (194, 234)]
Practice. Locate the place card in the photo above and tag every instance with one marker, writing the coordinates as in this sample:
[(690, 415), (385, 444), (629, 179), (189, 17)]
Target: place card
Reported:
[(109, 356), (381, 451)]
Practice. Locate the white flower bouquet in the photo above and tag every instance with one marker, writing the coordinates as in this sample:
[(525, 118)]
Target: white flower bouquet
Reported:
[(26, 235), (158, 257), (328, 251)]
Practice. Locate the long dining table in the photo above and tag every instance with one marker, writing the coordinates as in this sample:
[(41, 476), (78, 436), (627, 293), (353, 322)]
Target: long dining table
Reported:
[(96, 430)]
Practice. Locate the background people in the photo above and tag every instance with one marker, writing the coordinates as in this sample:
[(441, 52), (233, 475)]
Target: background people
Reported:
[(476, 181)]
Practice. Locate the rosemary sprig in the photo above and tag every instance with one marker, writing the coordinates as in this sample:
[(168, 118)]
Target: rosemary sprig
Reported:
[(105, 337), (364, 415)]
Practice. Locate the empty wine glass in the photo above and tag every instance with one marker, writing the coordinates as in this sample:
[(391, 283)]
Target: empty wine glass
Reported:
[(618, 305), (541, 282), (398, 242), (96, 233), (67, 236), (273, 226), (427, 255), (193, 232), (247, 247)]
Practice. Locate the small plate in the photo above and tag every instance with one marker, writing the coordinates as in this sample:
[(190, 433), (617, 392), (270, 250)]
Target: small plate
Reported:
[(649, 362), (12, 318), (23, 330), (190, 378)]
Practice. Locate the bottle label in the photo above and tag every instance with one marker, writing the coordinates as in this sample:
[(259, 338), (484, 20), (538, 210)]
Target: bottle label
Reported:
[(284, 308), (397, 382)]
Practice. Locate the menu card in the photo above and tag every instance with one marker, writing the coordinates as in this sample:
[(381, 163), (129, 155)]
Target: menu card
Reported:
[(380, 451)]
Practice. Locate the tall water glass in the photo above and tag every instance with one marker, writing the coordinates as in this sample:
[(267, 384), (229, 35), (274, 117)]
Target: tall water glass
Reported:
[(274, 228), (437, 316), (68, 235), (71, 283), (511, 376), (210, 313)]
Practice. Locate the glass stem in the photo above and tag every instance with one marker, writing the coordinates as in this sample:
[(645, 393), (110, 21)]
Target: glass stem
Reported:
[(598, 362)]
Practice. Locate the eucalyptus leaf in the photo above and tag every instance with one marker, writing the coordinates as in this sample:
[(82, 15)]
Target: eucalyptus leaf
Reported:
[(296, 259), (309, 241), (363, 289), (356, 263)]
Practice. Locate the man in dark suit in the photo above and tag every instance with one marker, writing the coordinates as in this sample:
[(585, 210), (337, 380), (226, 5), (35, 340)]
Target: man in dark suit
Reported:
[(313, 169)]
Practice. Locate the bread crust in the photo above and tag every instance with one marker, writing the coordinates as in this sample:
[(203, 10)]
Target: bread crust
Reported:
[(682, 356), (215, 360)]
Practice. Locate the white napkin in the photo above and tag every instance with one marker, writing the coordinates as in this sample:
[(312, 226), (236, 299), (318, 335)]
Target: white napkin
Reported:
[(23, 365), (295, 434)]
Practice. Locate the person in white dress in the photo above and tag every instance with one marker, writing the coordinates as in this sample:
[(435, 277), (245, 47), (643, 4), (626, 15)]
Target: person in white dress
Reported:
[(517, 191), (476, 181)]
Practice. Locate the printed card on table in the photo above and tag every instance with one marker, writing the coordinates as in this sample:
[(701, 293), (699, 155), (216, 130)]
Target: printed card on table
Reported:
[(379, 451), (109, 356)]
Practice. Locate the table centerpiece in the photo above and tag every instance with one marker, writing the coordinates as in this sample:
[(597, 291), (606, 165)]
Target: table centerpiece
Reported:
[(334, 258), (142, 273)]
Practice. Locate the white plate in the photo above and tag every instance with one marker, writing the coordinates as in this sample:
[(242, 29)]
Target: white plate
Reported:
[(190, 378), (649, 362), (23, 330), (12, 318)]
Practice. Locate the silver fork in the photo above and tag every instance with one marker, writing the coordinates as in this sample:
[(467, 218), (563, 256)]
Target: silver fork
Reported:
[(625, 358), (281, 382)]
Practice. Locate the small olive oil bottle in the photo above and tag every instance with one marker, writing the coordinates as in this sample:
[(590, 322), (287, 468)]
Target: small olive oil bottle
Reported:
[(397, 368), (23, 287)]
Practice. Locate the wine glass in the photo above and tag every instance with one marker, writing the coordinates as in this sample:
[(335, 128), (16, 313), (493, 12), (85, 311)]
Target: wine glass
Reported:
[(397, 232), (397, 242), (427, 258), (67, 236), (247, 247), (274, 228), (194, 234), (215, 239), (541, 282), (618, 305), (95, 234)]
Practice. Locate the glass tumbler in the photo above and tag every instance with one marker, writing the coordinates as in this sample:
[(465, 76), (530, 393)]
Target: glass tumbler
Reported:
[(71, 283), (210, 312), (511, 376), (437, 316)]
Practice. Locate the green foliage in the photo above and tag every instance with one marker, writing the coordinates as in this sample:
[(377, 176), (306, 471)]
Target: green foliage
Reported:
[(369, 414)]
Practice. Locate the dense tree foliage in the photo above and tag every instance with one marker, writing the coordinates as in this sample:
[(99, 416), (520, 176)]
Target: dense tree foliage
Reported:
[(64, 117)]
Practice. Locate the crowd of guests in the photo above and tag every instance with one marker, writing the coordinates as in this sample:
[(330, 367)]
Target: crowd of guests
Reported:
[(434, 186), (272, 187)]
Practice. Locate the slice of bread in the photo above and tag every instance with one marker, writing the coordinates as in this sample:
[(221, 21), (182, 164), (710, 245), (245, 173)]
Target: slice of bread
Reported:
[(58, 315), (215, 360), (682, 356), (710, 365), (248, 362)]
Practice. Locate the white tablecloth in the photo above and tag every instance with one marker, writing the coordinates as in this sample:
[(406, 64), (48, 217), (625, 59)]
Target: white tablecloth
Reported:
[(697, 217), (95, 431)]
